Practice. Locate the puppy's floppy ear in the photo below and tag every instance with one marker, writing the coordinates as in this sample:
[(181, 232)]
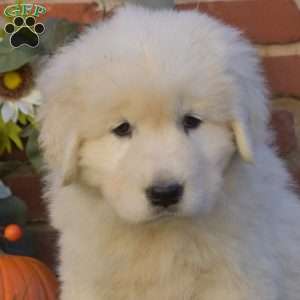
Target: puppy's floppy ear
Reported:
[(70, 159), (243, 139), (250, 114)]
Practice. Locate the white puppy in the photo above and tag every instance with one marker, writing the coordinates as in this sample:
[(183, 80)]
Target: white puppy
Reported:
[(161, 181)]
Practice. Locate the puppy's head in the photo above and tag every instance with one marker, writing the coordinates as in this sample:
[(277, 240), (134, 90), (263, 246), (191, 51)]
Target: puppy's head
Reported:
[(150, 108)]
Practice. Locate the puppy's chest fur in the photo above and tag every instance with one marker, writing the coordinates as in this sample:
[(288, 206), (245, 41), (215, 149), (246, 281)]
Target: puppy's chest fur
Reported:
[(167, 261), (172, 269)]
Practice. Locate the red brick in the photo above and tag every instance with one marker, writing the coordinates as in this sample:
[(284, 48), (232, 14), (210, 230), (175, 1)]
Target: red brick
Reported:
[(285, 137), (28, 188), (283, 75), (263, 21)]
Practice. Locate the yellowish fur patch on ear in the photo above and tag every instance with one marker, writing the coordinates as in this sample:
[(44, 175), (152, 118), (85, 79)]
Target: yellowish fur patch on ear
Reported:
[(243, 141), (69, 167)]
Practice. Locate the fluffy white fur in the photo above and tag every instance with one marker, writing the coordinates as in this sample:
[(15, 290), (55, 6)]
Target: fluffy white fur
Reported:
[(235, 235)]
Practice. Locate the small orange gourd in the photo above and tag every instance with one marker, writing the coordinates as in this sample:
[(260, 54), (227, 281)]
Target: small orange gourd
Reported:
[(13, 232), (25, 278)]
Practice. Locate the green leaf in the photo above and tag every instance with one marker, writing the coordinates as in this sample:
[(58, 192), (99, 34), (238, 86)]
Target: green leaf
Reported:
[(4, 139), (16, 139), (2, 34), (8, 146), (158, 4), (31, 120), (57, 33), (33, 151), (154, 3), (22, 118), (9, 132), (13, 58), (13, 132)]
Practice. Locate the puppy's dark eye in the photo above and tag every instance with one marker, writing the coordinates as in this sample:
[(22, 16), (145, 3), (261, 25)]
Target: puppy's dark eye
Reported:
[(190, 122), (123, 130)]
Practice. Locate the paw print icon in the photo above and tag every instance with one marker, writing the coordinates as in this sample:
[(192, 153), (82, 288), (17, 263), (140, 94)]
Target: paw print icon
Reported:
[(24, 31)]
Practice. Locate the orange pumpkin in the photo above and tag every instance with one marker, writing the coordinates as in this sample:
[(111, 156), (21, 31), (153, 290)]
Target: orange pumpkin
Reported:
[(25, 278)]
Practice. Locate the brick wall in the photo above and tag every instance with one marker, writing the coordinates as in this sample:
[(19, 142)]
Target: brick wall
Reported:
[(273, 26)]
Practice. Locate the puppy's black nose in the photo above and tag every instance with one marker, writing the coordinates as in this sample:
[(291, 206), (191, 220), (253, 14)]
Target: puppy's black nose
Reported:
[(164, 194)]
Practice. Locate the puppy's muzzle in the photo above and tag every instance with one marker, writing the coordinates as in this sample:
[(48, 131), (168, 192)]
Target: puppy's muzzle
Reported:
[(165, 195)]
